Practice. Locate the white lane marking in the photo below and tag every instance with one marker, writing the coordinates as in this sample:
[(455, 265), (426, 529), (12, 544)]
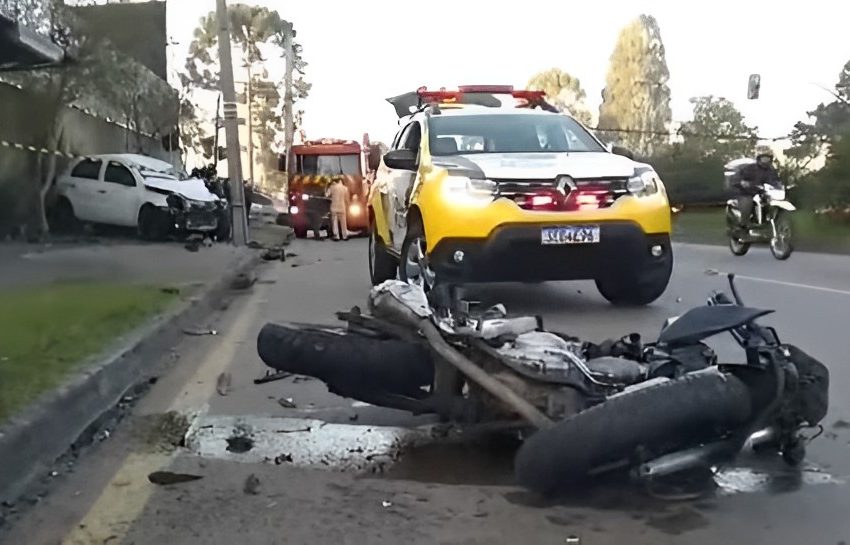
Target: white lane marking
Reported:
[(792, 284)]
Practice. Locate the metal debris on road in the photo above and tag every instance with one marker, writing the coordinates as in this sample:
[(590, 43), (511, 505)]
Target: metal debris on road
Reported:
[(164, 478), (386, 503), (287, 403), (573, 540), (271, 377), (170, 290), (252, 485), (223, 384), (243, 282), (199, 332)]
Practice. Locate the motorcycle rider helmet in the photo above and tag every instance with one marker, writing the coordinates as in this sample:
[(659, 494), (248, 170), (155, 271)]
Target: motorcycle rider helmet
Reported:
[(764, 155)]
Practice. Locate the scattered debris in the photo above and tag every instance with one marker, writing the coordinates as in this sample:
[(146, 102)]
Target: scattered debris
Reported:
[(253, 244), (282, 459), (294, 265), (287, 403), (678, 299), (54, 473), (165, 478), (243, 282), (273, 254), (193, 245), (386, 503), (291, 254), (208, 242), (267, 281), (271, 377), (272, 504), (198, 332), (301, 378), (573, 540), (841, 424), (170, 290), (223, 384), (353, 417), (252, 485)]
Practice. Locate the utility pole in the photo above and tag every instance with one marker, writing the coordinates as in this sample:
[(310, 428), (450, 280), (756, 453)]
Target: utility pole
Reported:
[(231, 128), (248, 99), (288, 125), (217, 129)]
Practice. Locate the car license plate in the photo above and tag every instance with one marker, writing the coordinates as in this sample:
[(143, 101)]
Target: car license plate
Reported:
[(572, 234)]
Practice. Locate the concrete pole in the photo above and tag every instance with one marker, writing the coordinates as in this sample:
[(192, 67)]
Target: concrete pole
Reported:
[(231, 128), (288, 124), (249, 98)]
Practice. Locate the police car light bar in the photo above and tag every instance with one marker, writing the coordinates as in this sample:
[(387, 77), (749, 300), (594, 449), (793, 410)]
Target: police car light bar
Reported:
[(444, 96)]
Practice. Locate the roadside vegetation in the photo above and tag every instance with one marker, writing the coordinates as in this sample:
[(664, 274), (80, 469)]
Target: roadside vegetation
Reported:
[(47, 332)]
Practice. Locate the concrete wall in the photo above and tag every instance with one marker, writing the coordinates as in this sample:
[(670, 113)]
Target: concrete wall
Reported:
[(23, 121)]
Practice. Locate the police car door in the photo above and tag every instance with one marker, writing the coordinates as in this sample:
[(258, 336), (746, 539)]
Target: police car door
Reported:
[(401, 183)]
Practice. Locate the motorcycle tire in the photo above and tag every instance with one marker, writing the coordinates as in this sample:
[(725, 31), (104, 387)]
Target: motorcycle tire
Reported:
[(658, 419), (348, 363), (738, 247), (783, 225)]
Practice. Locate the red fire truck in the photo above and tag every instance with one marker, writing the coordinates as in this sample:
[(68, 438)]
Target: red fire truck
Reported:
[(313, 166)]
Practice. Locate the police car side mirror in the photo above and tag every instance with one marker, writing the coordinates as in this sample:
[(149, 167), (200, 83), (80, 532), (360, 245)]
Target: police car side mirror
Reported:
[(401, 159), (625, 152)]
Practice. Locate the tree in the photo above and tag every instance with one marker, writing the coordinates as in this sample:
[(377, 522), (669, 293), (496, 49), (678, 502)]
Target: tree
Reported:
[(717, 129), (258, 31), (827, 124), (636, 100), (563, 91)]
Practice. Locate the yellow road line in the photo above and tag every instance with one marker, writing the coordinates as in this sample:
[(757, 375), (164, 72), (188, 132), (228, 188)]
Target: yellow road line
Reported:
[(122, 500)]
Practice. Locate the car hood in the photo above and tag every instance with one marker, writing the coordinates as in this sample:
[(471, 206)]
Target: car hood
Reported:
[(542, 165), (192, 188)]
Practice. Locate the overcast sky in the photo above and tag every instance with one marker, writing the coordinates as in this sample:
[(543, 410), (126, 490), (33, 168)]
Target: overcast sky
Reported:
[(359, 53)]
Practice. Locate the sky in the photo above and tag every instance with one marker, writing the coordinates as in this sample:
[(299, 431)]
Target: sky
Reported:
[(360, 53)]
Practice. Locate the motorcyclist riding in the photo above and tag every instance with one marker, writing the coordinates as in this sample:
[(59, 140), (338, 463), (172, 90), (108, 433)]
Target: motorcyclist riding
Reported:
[(753, 178)]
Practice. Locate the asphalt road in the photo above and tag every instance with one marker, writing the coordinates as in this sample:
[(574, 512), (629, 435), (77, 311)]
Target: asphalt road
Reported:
[(437, 494)]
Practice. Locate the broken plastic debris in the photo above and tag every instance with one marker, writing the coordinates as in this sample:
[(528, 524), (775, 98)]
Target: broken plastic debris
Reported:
[(199, 332), (223, 384), (252, 485), (386, 503), (287, 403), (168, 477), (712, 272), (574, 540)]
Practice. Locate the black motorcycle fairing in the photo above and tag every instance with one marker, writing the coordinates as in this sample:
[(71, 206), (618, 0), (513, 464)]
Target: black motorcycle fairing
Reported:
[(702, 322)]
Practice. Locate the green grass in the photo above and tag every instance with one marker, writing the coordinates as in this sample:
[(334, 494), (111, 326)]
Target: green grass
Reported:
[(811, 233), (46, 332)]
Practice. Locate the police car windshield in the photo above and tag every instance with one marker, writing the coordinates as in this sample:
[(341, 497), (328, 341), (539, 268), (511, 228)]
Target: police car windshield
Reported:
[(515, 133)]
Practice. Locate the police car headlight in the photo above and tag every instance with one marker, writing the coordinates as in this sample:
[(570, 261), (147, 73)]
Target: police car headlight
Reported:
[(643, 182), (464, 190)]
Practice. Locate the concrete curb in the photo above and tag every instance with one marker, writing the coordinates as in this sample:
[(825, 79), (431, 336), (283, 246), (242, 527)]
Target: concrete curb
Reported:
[(33, 440)]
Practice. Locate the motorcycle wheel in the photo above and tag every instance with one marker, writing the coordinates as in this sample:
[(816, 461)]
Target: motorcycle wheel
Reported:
[(737, 246), (659, 419), (348, 363), (781, 246)]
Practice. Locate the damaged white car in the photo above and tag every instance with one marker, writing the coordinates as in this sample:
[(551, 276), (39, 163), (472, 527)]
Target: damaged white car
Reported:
[(132, 190)]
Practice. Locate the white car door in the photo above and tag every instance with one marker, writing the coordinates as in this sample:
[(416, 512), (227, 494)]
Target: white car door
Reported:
[(81, 188), (121, 202)]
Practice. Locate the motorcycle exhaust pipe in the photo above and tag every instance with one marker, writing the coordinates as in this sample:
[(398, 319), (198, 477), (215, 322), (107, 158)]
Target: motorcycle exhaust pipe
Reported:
[(683, 460), (701, 456)]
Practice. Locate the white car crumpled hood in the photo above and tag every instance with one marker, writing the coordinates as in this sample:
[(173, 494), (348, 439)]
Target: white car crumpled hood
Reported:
[(192, 188), (549, 165)]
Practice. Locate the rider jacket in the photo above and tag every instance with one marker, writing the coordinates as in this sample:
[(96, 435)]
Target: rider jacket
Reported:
[(758, 175)]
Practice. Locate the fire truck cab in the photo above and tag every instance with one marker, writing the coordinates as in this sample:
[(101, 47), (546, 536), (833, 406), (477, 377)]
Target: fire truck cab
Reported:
[(313, 167)]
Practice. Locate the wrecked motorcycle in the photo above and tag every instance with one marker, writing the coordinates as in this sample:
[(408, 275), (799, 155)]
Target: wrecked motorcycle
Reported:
[(655, 409)]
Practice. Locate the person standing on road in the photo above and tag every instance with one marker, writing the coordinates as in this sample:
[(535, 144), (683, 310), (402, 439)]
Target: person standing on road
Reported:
[(340, 199)]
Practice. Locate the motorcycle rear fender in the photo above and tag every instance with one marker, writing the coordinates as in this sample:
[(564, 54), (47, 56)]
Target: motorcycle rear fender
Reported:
[(784, 205)]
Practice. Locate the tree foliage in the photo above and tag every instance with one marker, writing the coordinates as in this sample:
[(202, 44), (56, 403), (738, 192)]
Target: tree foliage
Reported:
[(717, 129), (636, 99), (563, 91)]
